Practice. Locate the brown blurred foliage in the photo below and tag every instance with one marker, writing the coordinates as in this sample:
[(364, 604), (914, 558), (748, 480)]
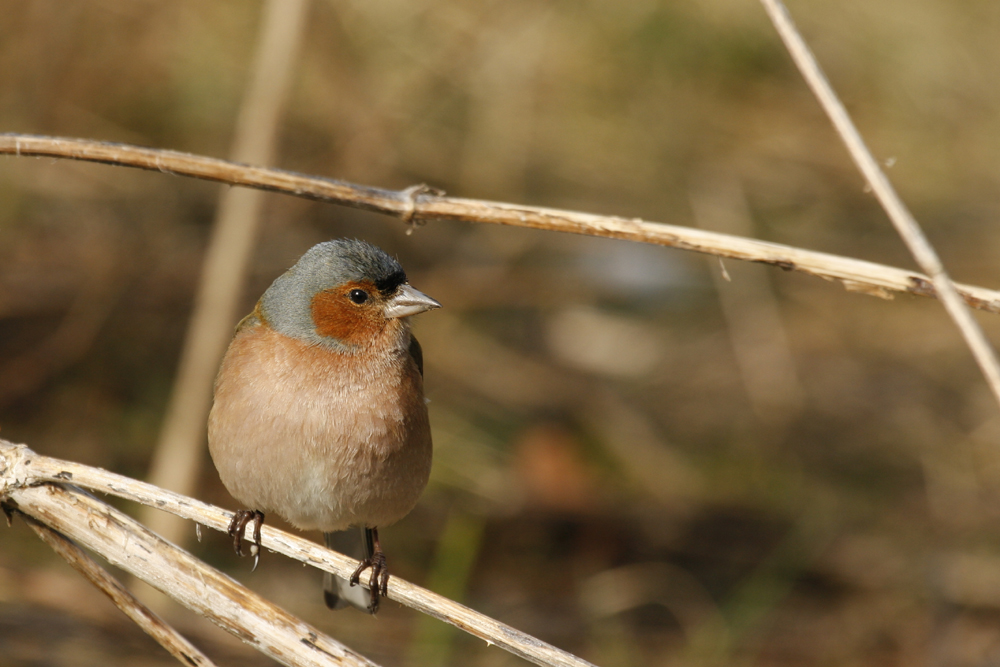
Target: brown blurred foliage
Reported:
[(609, 474)]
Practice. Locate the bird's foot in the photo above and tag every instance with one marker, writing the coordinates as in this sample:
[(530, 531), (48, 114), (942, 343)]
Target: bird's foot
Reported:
[(237, 531), (378, 583)]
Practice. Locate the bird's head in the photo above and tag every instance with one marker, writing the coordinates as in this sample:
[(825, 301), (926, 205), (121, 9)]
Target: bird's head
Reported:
[(341, 294)]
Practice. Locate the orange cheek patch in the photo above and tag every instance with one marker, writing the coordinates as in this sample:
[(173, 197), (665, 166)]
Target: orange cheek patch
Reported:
[(336, 317)]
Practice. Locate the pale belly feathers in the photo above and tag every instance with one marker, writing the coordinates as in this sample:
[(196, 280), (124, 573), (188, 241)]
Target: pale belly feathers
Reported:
[(323, 443)]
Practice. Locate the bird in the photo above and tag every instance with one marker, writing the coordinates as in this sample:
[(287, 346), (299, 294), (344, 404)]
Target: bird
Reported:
[(319, 413)]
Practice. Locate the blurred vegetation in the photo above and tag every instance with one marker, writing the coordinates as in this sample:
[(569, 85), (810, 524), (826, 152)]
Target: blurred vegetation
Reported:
[(605, 476)]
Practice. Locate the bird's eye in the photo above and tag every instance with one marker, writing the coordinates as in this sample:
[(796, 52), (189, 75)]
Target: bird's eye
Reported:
[(358, 296)]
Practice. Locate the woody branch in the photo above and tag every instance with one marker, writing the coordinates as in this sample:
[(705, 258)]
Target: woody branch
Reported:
[(36, 485), (420, 203)]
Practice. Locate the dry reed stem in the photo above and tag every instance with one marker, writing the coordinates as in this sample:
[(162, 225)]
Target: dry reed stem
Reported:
[(153, 625), (127, 544), (906, 225), (419, 203), (215, 596)]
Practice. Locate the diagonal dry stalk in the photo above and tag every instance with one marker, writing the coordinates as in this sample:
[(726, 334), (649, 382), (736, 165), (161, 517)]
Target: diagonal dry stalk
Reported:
[(419, 203), (124, 542), (152, 624), (902, 219), (35, 484)]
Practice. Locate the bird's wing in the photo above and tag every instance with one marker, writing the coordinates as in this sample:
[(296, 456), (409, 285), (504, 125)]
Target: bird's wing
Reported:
[(418, 354)]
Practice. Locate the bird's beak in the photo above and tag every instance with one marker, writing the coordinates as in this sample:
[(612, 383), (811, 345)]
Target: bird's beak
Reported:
[(408, 301)]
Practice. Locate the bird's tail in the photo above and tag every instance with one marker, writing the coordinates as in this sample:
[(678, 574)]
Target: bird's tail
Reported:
[(338, 593)]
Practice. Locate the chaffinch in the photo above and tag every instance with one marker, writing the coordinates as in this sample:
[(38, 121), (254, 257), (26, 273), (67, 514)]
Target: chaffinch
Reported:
[(319, 411)]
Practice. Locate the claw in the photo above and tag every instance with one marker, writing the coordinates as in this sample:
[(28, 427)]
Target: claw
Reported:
[(378, 582), (237, 530)]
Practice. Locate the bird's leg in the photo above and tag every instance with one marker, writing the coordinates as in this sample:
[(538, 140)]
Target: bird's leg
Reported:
[(237, 530), (378, 583)]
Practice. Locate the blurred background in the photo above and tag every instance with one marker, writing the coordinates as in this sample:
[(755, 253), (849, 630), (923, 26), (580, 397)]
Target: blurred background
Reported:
[(642, 456)]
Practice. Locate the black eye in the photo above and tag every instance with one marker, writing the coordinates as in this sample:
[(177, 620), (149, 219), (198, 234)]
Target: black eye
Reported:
[(358, 296)]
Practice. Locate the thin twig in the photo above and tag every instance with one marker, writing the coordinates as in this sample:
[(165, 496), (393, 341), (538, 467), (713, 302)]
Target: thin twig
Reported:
[(901, 217), (416, 204), (20, 468), (153, 625)]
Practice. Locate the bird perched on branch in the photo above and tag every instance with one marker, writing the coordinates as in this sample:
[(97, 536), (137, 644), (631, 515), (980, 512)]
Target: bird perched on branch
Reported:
[(319, 411)]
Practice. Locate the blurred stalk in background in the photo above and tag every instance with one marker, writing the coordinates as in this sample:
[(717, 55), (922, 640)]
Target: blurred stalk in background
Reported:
[(177, 459)]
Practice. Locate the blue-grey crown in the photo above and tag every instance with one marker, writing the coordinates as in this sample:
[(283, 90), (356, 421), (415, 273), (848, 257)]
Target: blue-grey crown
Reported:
[(286, 303)]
